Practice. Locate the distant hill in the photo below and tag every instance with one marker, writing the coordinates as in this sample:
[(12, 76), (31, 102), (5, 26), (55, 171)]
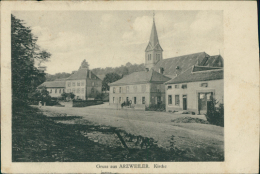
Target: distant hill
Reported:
[(128, 68)]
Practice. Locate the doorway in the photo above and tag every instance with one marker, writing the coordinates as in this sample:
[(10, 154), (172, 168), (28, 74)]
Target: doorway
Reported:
[(205, 101), (184, 99)]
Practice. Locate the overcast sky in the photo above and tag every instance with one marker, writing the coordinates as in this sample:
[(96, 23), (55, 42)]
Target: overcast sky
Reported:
[(113, 38)]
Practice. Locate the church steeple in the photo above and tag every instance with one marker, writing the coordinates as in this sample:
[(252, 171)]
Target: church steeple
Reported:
[(153, 51)]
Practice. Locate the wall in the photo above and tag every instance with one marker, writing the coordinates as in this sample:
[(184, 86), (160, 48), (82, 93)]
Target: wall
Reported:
[(193, 88), (57, 94), (157, 90), (94, 84), (138, 91), (79, 91)]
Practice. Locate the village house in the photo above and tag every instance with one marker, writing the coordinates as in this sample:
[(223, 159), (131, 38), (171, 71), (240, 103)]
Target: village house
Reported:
[(84, 83), (55, 88), (139, 86), (195, 89)]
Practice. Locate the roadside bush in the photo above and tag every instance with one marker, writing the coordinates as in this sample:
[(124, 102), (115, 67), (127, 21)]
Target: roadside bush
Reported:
[(156, 107), (215, 114)]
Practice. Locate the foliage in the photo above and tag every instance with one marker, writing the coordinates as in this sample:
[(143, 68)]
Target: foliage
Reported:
[(156, 107), (121, 70), (84, 64), (99, 96), (67, 96), (215, 114), (24, 51), (109, 78), (40, 95), (57, 76)]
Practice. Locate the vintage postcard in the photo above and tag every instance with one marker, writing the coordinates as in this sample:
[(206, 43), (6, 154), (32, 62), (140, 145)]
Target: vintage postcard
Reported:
[(129, 87)]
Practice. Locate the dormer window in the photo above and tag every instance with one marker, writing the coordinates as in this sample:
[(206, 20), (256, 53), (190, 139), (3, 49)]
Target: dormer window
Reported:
[(161, 70)]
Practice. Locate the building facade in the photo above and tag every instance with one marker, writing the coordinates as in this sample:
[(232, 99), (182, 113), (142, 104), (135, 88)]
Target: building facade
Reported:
[(195, 90), (84, 84), (55, 88), (132, 87), (141, 88)]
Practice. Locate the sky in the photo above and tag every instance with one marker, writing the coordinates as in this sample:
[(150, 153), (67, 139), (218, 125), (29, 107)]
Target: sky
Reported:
[(113, 38)]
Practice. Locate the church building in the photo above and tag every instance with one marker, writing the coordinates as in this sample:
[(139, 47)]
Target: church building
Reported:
[(148, 87)]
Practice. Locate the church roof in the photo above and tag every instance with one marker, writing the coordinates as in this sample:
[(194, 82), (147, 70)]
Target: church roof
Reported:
[(194, 74), (154, 41), (177, 65), (54, 84), (82, 74), (141, 77)]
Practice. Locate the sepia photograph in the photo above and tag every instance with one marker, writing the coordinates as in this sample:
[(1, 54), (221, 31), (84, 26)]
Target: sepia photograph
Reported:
[(120, 87), (114, 86)]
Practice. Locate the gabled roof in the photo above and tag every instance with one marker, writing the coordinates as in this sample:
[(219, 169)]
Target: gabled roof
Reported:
[(177, 65), (82, 74), (54, 84), (141, 77), (193, 75)]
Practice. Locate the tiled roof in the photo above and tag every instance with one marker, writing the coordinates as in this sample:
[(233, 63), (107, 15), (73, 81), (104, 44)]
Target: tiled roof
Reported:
[(193, 76), (82, 73), (141, 77), (215, 61), (54, 84), (177, 65)]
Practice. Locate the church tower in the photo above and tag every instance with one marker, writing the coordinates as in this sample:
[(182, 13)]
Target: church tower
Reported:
[(153, 51)]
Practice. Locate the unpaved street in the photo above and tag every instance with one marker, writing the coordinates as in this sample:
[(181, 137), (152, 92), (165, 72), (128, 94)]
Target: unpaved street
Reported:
[(198, 139)]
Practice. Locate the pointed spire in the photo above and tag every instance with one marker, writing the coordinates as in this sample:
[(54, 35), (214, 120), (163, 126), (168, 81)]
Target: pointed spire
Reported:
[(153, 37)]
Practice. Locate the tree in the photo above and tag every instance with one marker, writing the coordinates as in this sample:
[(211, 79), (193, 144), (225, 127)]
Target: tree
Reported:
[(84, 64), (109, 78), (24, 51), (40, 95)]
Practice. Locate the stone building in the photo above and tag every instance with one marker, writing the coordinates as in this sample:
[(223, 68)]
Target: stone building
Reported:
[(142, 88), (84, 84), (169, 68), (55, 88), (195, 89)]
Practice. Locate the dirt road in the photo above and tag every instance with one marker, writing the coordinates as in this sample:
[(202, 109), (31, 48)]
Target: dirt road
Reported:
[(198, 139)]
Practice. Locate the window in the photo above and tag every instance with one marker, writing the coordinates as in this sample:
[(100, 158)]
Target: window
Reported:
[(78, 90), (51, 91), (55, 91), (73, 83), (177, 100), (113, 99), (119, 99), (92, 90), (176, 86), (114, 89), (135, 88), (78, 83), (169, 99), (60, 91), (169, 87), (73, 90), (69, 84), (127, 89), (120, 89), (143, 100), (149, 57), (82, 83), (134, 100), (143, 88), (204, 85), (93, 83), (157, 56), (82, 90), (63, 90), (184, 86)]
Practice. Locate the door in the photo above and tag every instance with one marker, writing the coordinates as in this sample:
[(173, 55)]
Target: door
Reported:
[(134, 100), (159, 100), (184, 99)]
